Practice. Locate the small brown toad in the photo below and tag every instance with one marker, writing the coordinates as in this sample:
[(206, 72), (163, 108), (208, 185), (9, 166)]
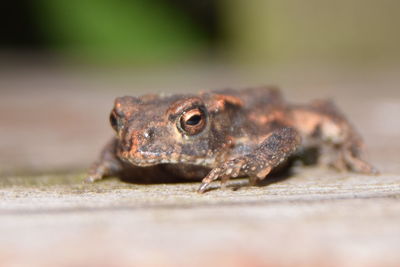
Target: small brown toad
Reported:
[(223, 134)]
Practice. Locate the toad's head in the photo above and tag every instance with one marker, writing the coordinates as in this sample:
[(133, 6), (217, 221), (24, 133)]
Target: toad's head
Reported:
[(190, 129)]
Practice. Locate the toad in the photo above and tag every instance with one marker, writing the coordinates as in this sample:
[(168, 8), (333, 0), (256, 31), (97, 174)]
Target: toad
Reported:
[(224, 134)]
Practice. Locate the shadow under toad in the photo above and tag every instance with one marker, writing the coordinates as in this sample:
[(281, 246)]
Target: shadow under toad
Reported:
[(185, 173), (149, 175)]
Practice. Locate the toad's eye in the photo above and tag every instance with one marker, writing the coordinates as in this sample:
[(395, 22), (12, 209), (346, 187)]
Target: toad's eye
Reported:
[(114, 121), (193, 121)]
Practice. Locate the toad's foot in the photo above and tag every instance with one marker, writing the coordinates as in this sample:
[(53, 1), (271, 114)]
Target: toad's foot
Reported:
[(346, 160), (107, 165)]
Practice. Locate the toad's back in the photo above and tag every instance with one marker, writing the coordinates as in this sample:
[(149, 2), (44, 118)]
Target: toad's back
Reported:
[(259, 98)]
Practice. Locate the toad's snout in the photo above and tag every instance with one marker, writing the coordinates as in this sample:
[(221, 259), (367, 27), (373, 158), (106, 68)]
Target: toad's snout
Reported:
[(136, 143)]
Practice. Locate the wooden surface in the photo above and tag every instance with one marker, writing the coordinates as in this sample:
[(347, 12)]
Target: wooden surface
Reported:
[(53, 124)]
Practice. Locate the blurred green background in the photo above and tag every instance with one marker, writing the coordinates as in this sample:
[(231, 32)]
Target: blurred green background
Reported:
[(164, 31)]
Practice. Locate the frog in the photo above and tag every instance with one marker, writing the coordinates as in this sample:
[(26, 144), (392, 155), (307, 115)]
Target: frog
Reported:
[(224, 134)]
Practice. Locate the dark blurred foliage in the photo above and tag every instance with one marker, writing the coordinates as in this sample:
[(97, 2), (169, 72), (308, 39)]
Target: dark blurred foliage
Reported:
[(19, 28), (204, 14), (152, 31), (135, 29)]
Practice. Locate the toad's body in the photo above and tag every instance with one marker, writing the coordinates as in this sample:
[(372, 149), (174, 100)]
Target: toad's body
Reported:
[(222, 134)]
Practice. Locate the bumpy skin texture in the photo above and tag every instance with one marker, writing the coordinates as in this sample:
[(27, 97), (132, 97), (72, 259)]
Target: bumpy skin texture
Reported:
[(222, 134)]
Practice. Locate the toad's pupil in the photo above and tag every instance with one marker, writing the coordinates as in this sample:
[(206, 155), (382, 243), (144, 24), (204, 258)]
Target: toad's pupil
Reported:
[(194, 120)]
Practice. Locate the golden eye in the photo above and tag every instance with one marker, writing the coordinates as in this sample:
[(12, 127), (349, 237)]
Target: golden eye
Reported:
[(193, 121)]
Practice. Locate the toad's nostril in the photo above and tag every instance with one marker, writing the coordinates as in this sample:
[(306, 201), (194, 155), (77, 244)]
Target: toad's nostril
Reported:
[(148, 133)]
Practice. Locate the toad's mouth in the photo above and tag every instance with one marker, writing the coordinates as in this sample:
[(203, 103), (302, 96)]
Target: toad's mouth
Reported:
[(150, 159), (146, 159), (149, 162)]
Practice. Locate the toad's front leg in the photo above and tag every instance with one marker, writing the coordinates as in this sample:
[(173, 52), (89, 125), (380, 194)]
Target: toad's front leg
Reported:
[(107, 165), (276, 148)]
